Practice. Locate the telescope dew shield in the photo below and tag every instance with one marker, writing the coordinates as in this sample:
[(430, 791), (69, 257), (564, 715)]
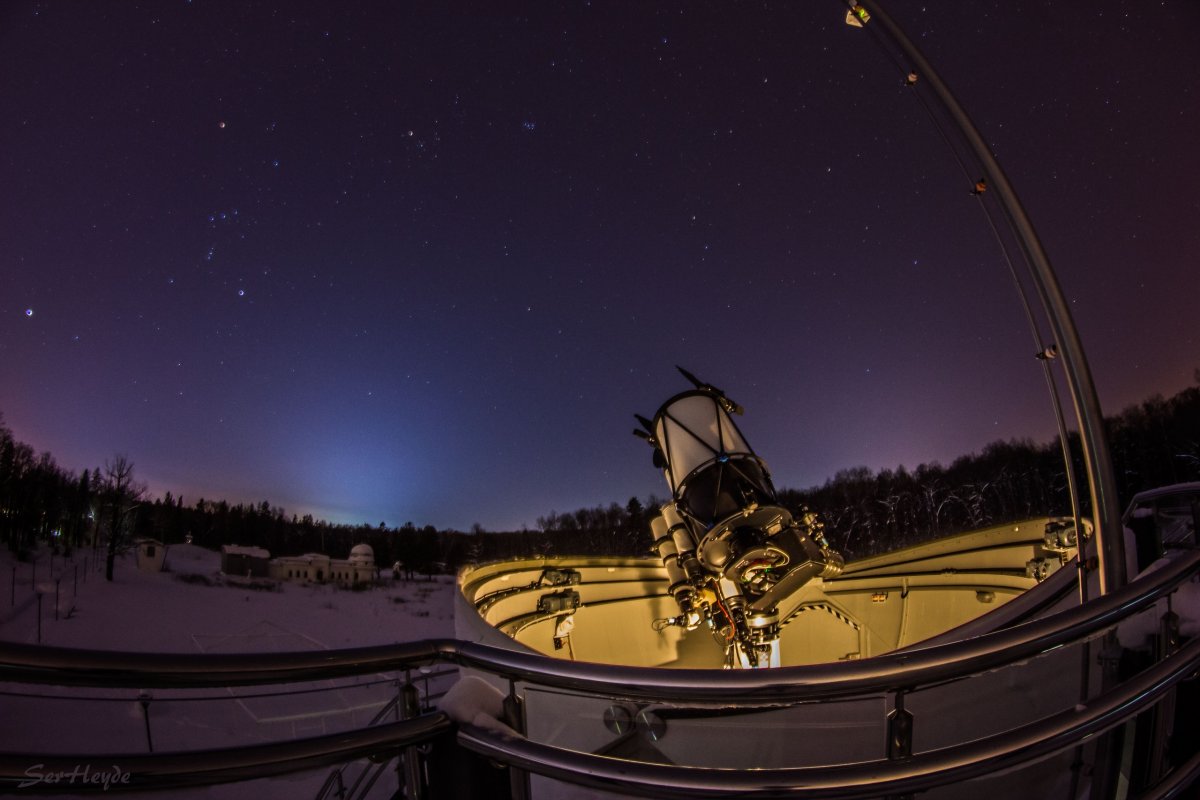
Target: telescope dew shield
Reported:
[(710, 467), (685, 544), (680, 585), (664, 545), (678, 530)]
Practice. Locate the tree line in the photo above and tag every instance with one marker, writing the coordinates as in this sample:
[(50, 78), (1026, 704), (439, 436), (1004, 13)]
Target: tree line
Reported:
[(1154, 443), (865, 511)]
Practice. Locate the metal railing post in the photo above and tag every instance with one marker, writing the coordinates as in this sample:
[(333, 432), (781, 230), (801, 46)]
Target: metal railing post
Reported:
[(410, 708), (1114, 750), (899, 735), (514, 717), (144, 698), (1163, 715)]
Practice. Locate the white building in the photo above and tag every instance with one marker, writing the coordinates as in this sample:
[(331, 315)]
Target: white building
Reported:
[(320, 568), (150, 555)]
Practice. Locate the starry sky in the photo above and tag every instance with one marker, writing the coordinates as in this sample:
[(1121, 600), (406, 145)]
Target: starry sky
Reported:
[(424, 260)]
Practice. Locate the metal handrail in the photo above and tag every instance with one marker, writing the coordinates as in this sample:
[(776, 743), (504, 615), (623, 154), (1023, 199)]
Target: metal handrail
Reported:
[(1174, 785), (24, 663), (371, 773), (901, 670), (868, 779), (161, 771), (907, 669)]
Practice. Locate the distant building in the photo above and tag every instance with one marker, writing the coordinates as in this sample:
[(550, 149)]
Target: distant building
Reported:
[(312, 567), (249, 561), (150, 554), (320, 568)]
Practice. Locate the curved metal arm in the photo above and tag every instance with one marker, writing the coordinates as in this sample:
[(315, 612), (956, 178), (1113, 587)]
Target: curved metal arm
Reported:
[(1096, 458), (868, 779)]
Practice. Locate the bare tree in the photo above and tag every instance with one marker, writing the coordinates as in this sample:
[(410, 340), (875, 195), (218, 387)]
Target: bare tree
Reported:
[(121, 496)]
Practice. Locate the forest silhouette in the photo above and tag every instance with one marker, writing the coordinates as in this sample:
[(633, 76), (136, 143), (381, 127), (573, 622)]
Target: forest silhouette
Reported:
[(1154, 443)]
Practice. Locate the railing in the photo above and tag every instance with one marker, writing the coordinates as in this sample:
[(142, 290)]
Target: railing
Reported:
[(914, 667), (164, 771), (402, 705), (868, 779), (738, 688), (44, 592)]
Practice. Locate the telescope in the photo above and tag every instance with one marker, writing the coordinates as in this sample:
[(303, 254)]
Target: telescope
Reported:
[(731, 552)]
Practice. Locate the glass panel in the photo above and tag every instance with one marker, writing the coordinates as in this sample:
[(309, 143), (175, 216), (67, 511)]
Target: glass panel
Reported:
[(1175, 519), (842, 731), (1002, 699)]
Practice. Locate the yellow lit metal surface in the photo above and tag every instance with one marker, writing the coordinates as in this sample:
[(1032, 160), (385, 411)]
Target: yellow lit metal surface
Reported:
[(876, 605)]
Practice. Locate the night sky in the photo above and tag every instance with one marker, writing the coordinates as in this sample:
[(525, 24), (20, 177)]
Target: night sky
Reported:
[(423, 261)]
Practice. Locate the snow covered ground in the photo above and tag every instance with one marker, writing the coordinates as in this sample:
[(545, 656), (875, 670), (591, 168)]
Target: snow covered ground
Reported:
[(190, 608)]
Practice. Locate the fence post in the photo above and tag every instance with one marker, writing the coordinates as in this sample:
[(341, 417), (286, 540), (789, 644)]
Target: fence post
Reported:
[(144, 697), (899, 735), (1114, 748), (1163, 715), (57, 581), (514, 717), (410, 707)]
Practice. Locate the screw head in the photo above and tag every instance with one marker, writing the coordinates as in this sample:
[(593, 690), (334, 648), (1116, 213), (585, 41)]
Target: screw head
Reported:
[(652, 726), (618, 720)]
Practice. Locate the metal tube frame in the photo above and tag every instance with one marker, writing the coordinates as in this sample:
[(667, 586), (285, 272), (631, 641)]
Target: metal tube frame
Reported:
[(1097, 459)]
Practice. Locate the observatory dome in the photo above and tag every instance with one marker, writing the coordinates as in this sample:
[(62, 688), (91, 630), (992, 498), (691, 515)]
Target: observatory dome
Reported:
[(362, 554)]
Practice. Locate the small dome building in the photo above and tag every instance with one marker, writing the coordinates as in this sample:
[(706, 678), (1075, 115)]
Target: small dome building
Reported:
[(362, 555)]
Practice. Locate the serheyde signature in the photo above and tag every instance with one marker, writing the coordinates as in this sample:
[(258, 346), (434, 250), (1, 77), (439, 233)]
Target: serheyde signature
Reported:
[(83, 773)]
